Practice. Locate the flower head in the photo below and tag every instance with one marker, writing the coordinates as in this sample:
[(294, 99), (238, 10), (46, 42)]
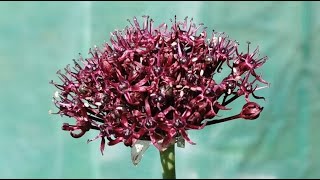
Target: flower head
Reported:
[(156, 83)]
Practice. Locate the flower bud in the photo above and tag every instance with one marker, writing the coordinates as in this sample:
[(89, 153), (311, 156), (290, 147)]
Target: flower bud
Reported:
[(251, 111)]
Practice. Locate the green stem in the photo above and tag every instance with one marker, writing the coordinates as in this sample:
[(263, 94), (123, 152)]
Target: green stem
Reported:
[(167, 158)]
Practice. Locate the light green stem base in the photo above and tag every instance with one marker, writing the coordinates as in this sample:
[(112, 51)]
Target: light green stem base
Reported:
[(167, 158)]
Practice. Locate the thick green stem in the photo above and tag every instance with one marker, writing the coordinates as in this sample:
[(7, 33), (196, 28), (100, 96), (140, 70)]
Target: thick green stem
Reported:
[(167, 158)]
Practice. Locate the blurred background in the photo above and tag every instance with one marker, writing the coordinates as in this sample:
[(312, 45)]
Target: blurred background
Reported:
[(38, 38)]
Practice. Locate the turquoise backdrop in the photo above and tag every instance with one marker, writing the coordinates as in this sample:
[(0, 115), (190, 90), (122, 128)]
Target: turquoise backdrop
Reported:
[(38, 38)]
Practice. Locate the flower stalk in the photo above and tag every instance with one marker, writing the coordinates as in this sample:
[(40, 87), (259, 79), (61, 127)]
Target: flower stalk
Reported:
[(167, 158)]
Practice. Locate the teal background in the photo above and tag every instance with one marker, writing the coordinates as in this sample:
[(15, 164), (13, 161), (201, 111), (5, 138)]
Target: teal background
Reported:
[(38, 38)]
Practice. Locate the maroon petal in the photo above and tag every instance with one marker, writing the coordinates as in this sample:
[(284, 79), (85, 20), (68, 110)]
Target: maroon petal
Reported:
[(128, 98), (155, 141), (139, 89), (80, 134), (185, 136), (141, 82), (147, 107), (116, 141)]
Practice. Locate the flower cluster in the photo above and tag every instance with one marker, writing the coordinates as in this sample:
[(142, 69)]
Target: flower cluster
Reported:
[(156, 83)]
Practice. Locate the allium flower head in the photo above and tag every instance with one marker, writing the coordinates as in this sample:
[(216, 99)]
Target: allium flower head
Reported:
[(156, 83)]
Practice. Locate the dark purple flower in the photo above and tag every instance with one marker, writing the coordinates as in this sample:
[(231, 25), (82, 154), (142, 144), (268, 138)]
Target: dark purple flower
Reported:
[(156, 83)]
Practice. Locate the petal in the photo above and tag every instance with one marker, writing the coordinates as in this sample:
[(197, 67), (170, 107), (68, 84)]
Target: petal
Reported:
[(128, 141), (139, 89), (154, 141), (115, 44), (186, 113), (128, 98), (258, 77), (116, 141), (125, 55), (167, 110), (196, 88), (141, 82), (147, 107), (167, 79), (124, 121), (185, 136), (119, 75), (167, 141), (106, 67)]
